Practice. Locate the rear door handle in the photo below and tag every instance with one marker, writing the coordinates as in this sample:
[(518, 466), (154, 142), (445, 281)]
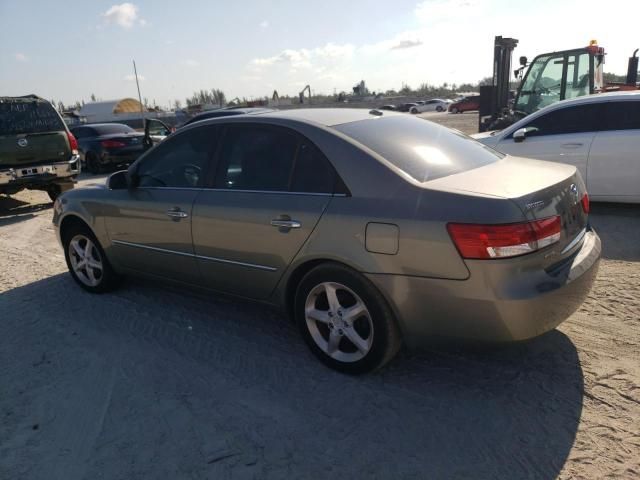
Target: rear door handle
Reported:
[(176, 213), (572, 145), (285, 223)]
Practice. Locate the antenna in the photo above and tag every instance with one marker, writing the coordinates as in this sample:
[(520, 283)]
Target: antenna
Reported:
[(135, 71)]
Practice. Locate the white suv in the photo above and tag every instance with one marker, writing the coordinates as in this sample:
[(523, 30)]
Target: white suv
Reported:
[(599, 134)]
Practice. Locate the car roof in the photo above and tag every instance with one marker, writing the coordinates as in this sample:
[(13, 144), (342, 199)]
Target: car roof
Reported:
[(329, 117), (101, 125), (598, 97)]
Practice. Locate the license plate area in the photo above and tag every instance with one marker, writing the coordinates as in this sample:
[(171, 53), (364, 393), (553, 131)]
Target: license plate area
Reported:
[(31, 171)]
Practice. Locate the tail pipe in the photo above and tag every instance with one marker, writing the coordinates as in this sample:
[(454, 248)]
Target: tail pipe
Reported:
[(632, 71)]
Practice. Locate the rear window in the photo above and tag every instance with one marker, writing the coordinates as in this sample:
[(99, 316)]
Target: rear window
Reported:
[(28, 116), (420, 148), (112, 129)]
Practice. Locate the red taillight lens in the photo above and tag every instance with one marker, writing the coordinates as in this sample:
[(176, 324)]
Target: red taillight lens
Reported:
[(502, 241), (585, 203), (73, 143), (112, 144)]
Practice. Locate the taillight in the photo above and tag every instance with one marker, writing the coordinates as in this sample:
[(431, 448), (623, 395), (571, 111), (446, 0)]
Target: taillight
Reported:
[(73, 143), (112, 144), (585, 202), (501, 241)]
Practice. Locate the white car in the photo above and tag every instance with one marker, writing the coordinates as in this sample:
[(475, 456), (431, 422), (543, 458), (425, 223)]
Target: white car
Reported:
[(599, 134), (435, 105)]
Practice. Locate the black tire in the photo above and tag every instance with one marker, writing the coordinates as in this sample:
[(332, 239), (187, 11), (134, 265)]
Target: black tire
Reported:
[(93, 166), (54, 191), (455, 110), (108, 279), (379, 322), (439, 108)]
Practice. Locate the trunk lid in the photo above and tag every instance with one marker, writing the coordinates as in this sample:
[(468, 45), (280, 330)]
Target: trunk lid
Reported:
[(540, 189), (31, 133)]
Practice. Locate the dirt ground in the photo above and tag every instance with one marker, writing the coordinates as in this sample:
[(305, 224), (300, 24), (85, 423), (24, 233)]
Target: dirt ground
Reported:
[(156, 382)]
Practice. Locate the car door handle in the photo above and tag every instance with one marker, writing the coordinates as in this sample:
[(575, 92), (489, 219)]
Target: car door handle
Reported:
[(176, 213), (280, 223), (572, 145)]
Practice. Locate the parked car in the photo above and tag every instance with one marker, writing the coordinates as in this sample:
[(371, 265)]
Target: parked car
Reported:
[(406, 107), (105, 146), (435, 105), (370, 228), (598, 134), (467, 104), (228, 112), (392, 108), (37, 151)]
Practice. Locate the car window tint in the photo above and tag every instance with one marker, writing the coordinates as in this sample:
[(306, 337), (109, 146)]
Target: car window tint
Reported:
[(576, 119), (622, 116), (420, 148), (312, 171), (27, 115), (179, 161), (113, 128), (256, 158)]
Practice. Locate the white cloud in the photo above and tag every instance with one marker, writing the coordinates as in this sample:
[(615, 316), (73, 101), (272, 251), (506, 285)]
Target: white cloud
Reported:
[(21, 57), (143, 22), (132, 78), (264, 24), (123, 15), (402, 44), (191, 63)]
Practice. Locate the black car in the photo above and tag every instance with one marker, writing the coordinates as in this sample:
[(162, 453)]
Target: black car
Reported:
[(392, 108), (406, 107), (105, 146), (227, 112)]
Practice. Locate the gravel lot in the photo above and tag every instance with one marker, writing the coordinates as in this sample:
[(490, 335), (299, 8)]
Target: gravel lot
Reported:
[(156, 382)]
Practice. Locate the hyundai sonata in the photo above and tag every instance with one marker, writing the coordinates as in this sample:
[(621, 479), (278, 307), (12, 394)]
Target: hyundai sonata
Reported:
[(369, 228)]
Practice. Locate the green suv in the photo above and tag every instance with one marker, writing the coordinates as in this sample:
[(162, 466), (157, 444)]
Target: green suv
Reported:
[(37, 151)]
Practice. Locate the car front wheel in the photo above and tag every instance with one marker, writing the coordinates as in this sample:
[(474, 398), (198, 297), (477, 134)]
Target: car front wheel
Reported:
[(87, 261), (345, 321)]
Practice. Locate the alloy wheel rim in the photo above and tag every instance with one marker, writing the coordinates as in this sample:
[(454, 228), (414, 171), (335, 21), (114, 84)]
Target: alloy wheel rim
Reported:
[(339, 322), (86, 260)]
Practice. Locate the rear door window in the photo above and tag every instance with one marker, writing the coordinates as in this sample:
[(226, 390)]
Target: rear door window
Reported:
[(622, 116), (256, 157), (23, 116), (420, 148), (312, 172)]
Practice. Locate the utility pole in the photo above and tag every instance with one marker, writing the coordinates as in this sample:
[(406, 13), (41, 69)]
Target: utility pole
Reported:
[(135, 71)]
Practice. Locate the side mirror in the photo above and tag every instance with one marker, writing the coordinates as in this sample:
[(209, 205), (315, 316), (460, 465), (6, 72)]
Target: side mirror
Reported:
[(519, 135), (118, 181)]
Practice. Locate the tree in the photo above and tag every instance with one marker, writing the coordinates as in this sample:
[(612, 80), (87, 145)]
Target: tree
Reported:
[(177, 104), (93, 97)]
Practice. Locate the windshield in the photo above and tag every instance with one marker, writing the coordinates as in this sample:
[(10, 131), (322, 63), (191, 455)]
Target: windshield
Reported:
[(420, 148), (18, 116)]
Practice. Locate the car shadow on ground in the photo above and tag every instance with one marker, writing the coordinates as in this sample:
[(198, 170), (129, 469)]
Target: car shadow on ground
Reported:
[(618, 226), (153, 379)]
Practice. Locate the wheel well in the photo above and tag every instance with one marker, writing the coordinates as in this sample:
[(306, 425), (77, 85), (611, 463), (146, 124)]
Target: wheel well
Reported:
[(296, 277), (70, 221)]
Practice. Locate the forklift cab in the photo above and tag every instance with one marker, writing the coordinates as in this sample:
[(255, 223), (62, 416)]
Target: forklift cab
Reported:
[(556, 76)]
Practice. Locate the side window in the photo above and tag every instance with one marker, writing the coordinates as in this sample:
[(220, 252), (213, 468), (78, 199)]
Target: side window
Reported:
[(578, 119), (312, 172), (622, 116), (255, 157), (179, 161)]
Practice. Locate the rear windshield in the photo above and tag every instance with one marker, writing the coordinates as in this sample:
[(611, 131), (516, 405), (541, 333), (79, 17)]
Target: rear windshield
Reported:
[(28, 116), (420, 148), (112, 129)]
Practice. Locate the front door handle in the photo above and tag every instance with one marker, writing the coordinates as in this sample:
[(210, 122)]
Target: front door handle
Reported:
[(176, 213), (281, 223)]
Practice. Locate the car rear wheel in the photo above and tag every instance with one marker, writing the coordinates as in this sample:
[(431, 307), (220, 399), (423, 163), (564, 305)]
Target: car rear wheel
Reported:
[(345, 321), (87, 261), (92, 163), (439, 108), (454, 110)]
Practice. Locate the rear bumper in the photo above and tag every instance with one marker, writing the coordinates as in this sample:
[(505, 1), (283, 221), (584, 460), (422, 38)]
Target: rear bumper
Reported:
[(38, 175), (500, 301)]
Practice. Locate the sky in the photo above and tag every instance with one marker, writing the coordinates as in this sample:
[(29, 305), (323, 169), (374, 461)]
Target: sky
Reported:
[(68, 50)]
